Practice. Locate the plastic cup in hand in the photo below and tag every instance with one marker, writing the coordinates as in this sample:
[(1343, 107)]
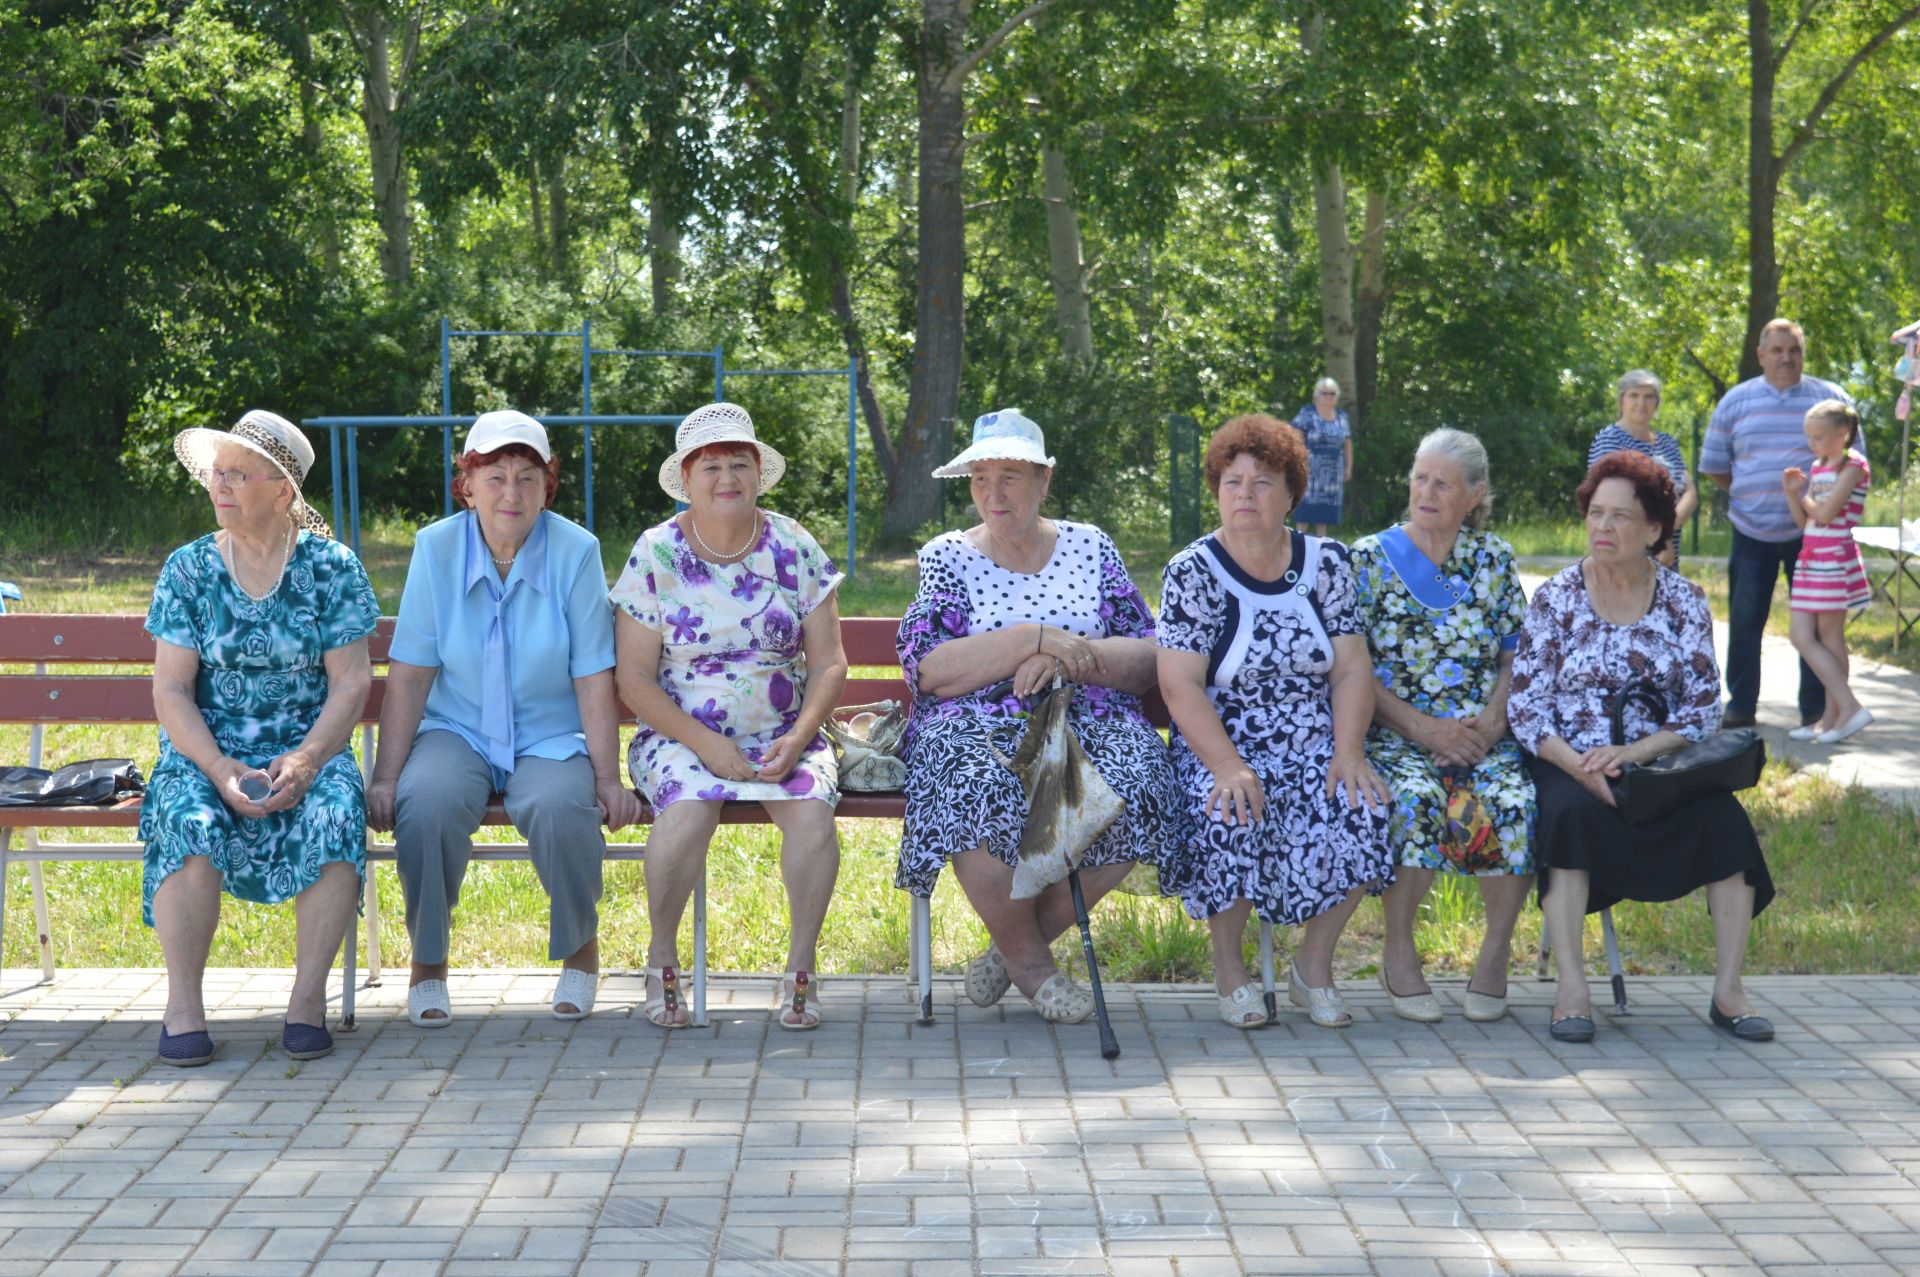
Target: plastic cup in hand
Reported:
[(254, 786)]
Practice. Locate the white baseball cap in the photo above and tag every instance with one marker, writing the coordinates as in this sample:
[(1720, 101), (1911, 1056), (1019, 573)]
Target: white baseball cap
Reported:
[(492, 431), (1006, 435)]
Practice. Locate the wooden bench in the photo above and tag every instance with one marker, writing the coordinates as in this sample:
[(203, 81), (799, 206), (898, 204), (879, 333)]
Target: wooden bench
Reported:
[(40, 699)]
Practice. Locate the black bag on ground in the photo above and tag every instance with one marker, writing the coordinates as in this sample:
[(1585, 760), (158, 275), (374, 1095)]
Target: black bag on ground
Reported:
[(1722, 764), (97, 782)]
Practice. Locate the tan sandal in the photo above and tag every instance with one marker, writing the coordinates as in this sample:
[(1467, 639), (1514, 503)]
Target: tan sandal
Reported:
[(1061, 1001), (987, 979), (795, 995), (663, 1007)]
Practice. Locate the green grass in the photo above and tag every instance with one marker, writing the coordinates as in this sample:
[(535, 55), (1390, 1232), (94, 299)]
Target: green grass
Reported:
[(1846, 865)]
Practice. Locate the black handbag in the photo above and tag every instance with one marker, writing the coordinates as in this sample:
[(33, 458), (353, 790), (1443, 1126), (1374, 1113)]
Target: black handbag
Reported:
[(97, 782), (1722, 764)]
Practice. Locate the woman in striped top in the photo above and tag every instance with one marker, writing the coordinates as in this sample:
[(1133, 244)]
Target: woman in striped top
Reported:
[(1829, 579), (1637, 396)]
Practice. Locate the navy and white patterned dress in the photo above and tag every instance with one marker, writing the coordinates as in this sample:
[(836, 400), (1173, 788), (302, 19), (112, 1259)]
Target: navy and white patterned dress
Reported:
[(1269, 653), (1326, 465), (959, 796)]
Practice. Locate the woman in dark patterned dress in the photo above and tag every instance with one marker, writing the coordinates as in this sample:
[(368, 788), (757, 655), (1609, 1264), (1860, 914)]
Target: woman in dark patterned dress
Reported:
[(1616, 617), (1265, 671), (1003, 609), (259, 675)]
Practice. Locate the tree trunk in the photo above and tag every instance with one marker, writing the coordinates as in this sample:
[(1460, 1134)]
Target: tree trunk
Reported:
[(535, 203), (1763, 187), (385, 145), (557, 210), (1066, 257), (1336, 248), (939, 335), (663, 250), (310, 137), (850, 138), (1370, 304)]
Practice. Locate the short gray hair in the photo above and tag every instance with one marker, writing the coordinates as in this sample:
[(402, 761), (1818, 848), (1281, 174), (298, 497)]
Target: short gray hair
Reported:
[(1326, 383), (1467, 452), (1634, 380)]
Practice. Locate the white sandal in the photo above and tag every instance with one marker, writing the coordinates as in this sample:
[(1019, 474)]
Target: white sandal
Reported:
[(576, 989), (664, 1005), (1061, 1001), (1244, 1008), (987, 979), (429, 995), (797, 994)]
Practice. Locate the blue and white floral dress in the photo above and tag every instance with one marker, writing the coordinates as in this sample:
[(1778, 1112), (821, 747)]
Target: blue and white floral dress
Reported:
[(1437, 633), (731, 656), (1269, 650), (262, 681)]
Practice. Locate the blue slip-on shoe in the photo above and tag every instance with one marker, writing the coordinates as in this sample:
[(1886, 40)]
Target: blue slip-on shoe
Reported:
[(185, 1050), (305, 1041)]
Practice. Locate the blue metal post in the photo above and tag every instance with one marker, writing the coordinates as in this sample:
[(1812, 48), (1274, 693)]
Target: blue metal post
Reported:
[(446, 410), (719, 374), (339, 496), (853, 457), (353, 487), (586, 410)]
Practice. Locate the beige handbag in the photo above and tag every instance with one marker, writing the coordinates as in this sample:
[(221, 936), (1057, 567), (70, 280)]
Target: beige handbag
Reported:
[(866, 741)]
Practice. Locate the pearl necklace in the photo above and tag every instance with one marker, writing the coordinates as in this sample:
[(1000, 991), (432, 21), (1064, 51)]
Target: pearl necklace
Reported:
[(286, 557), (753, 535)]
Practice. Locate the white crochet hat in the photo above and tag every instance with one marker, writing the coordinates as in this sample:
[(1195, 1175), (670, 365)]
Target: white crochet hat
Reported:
[(718, 423)]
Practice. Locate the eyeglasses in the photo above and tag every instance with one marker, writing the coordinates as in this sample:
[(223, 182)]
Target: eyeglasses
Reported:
[(1326, 394), (232, 478)]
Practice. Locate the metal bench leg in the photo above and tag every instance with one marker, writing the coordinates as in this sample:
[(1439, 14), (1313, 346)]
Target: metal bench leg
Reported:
[(700, 950), (37, 875), (1266, 971), (6, 853), (1616, 971), (349, 977), (373, 929), (920, 938)]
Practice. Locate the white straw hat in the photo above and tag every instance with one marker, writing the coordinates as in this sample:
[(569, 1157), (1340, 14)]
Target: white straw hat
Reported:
[(492, 431), (271, 436), (718, 423), (1006, 435)]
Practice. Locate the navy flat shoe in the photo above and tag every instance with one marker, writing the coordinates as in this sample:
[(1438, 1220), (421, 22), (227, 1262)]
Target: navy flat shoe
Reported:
[(185, 1050), (1572, 1028), (1748, 1028), (305, 1041)]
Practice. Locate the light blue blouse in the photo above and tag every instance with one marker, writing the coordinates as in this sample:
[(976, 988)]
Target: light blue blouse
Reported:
[(552, 605)]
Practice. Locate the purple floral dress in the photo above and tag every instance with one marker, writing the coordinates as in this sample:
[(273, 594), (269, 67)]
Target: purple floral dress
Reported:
[(959, 796), (730, 656)]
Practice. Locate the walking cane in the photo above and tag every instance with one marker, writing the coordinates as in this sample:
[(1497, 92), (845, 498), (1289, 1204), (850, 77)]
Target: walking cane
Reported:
[(1109, 1045)]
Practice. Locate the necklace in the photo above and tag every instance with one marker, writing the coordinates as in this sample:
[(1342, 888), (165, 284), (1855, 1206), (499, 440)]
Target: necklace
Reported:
[(286, 557), (753, 534)]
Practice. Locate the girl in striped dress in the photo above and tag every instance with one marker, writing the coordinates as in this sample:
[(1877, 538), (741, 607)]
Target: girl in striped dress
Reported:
[(1829, 580)]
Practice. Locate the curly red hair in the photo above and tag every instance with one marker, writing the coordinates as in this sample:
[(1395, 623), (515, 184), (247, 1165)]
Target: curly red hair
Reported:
[(1275, 446), (468, 462), (1652, 488)]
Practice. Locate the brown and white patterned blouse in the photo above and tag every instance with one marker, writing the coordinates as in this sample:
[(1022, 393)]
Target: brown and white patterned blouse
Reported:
[(1571, 663)]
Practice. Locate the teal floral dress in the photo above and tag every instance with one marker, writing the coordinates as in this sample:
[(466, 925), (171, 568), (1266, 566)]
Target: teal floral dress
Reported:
[(1437, 633), (262, 681)]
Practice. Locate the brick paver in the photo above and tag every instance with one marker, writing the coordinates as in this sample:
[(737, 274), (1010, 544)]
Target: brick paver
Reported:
[(513, 1144)]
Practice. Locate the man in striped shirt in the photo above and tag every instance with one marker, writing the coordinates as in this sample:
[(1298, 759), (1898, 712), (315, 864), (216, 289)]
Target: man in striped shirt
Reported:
[(1758, 430)]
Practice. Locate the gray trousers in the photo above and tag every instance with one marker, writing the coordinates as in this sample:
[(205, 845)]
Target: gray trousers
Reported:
[(439, 803)]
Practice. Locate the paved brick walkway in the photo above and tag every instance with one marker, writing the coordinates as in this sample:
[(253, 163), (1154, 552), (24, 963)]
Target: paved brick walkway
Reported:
[(513, 1144)]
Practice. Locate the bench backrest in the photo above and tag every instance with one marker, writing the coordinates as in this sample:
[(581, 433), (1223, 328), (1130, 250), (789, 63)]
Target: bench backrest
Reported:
[(121, 639)]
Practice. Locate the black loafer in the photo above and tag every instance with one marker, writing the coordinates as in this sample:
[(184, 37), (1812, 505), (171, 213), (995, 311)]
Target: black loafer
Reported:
[(1748, 1028), (1573, 1028), (185, 1050), (1736, 718)]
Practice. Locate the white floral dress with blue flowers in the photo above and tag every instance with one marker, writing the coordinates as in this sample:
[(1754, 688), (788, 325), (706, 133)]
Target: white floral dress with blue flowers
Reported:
[(730, 656), (1445, 662), (262, 681)]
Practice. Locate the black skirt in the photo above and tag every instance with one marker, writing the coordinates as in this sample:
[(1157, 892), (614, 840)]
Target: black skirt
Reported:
[(1704, 842)]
